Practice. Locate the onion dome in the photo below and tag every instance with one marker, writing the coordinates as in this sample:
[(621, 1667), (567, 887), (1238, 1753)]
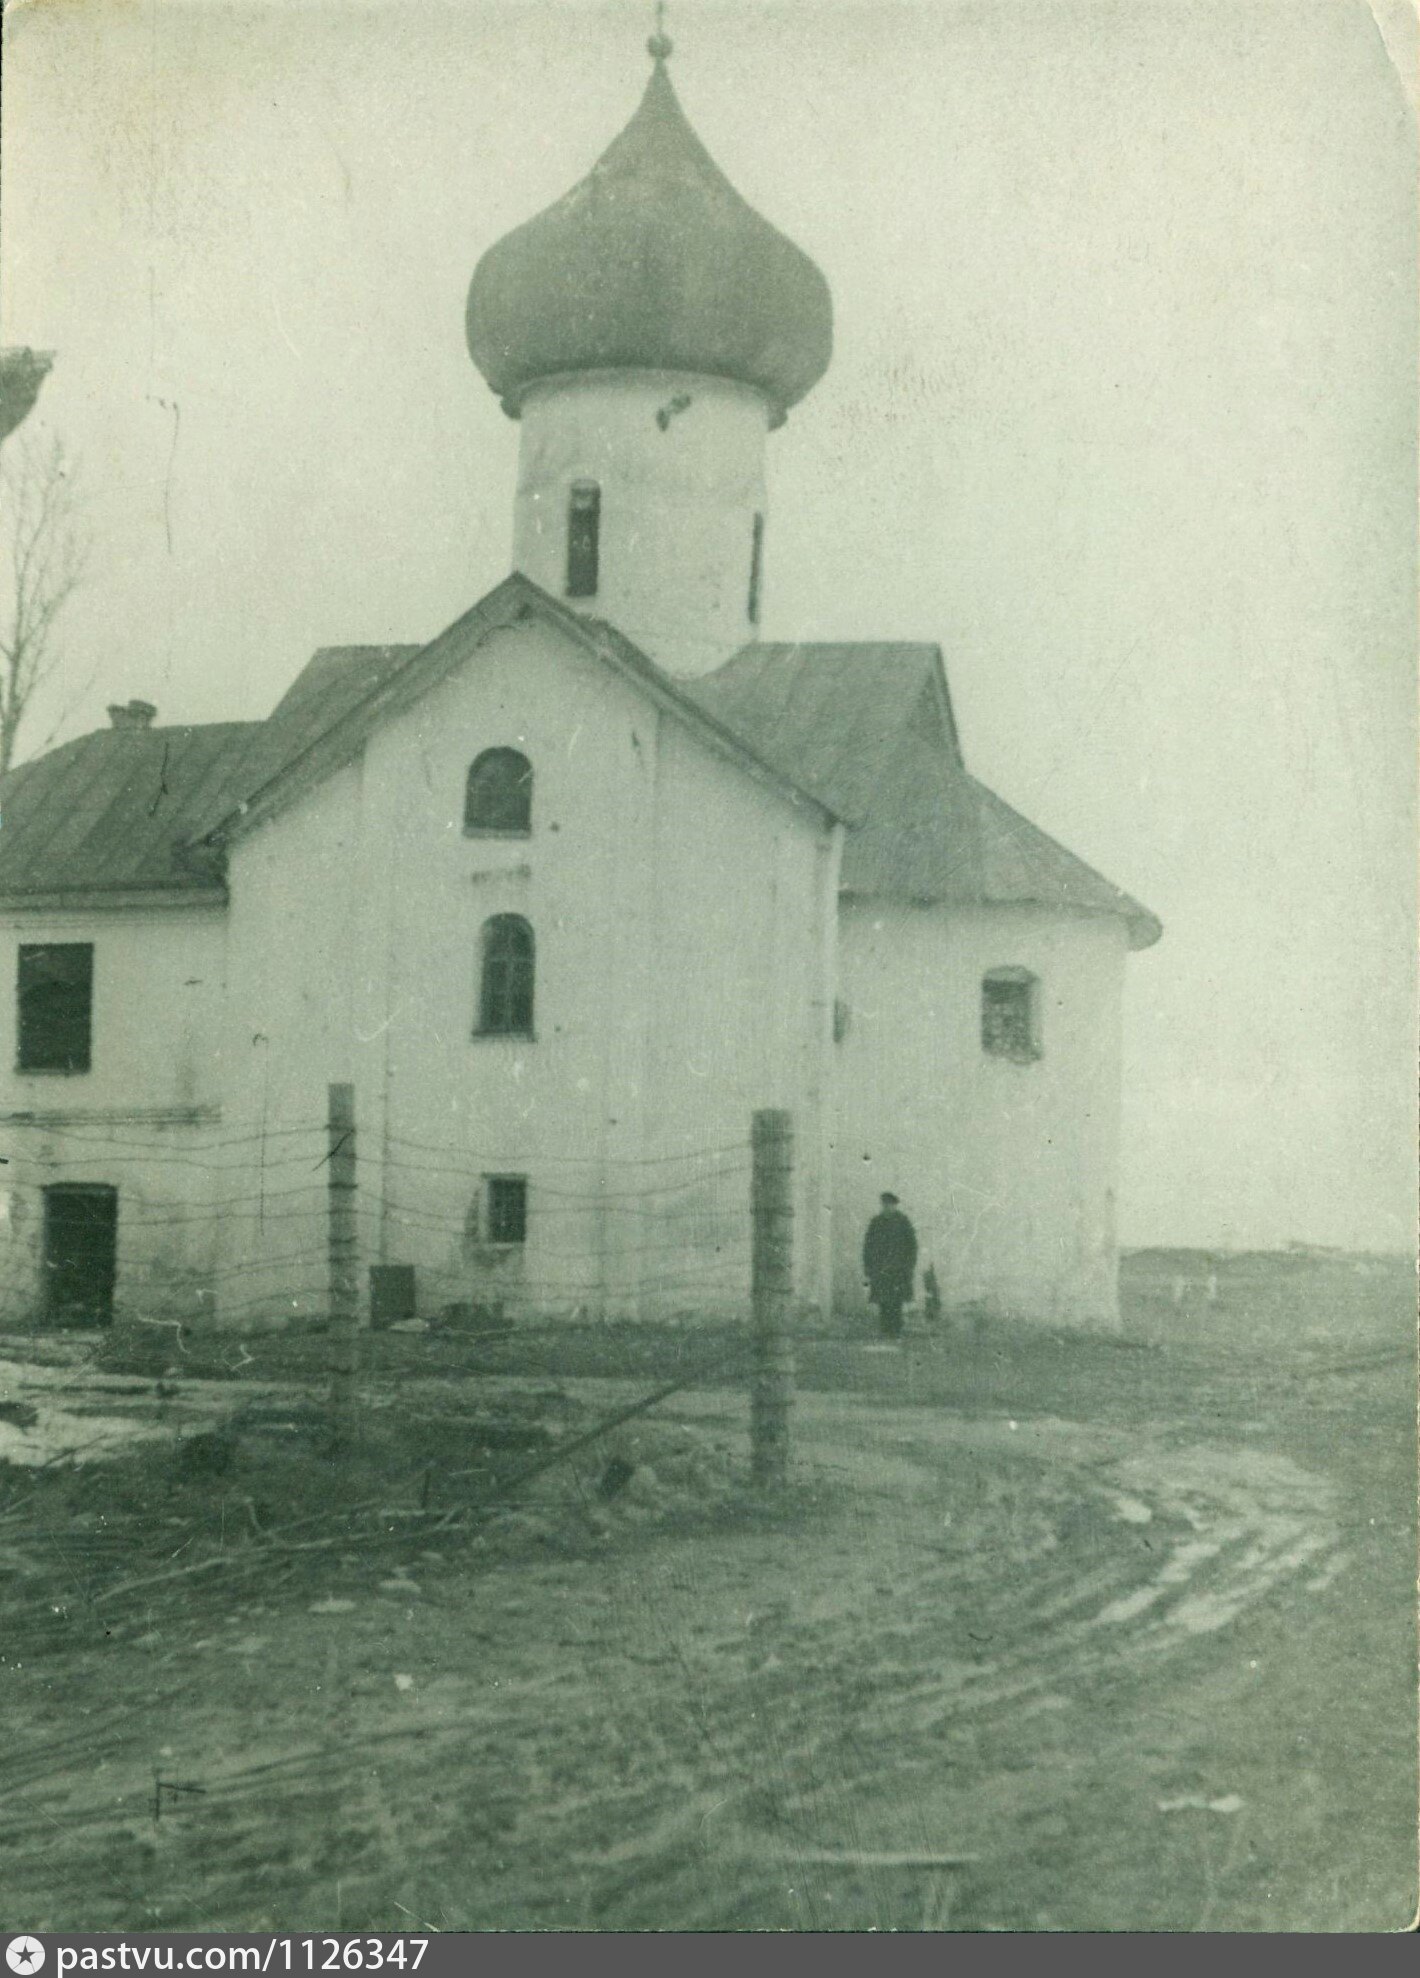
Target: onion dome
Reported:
[(653, 262)]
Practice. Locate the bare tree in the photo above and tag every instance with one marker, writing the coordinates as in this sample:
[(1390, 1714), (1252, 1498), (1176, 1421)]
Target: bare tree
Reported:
[(42, 543)]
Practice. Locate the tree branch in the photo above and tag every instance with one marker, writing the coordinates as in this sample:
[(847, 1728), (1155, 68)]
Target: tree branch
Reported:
[(46, 556)]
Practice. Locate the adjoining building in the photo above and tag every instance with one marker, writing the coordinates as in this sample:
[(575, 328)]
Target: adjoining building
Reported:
[(567, 893)]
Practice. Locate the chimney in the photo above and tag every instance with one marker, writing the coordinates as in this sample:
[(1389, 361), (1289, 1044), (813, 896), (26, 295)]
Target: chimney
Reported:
[(137, 714)]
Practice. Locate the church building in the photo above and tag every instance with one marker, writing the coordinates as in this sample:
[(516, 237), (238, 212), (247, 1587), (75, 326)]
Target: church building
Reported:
[(564, 896)]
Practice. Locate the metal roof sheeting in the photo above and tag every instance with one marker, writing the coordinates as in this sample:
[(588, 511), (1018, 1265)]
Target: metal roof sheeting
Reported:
[(125, 809), (868, 728), (117, 810)]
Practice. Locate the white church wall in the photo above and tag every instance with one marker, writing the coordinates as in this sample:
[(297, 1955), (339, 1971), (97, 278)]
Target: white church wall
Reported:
[(297, 955), (679, 463), (1006, 1168), (740, 979), (144, 1119), (356, 918)]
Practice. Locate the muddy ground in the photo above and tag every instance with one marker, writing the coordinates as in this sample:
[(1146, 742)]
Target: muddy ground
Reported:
[(1125, 1627)]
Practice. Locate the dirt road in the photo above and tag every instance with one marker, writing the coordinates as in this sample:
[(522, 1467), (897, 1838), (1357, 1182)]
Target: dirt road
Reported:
[(1150, 1676)]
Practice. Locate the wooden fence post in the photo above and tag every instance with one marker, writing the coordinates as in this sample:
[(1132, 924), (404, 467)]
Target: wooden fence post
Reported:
[(344, 1254), (772, 1290)]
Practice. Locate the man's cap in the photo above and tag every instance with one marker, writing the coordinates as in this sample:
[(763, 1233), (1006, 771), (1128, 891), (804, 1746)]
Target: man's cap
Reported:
[(889, 1198)]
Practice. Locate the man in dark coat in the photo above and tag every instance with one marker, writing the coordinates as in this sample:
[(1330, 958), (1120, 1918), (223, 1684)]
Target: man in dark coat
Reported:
[(890, 1264)]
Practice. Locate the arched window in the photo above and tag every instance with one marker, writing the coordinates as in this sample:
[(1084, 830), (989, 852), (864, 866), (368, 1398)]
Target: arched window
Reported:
[(505, 988), (584, 521), (1010, 1014), (498, 794)]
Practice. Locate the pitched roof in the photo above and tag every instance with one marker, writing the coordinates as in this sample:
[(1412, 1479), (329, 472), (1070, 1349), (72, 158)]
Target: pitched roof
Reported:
[(126, 810), (864, 731), (1023, 864), (869, 729), (134, 810), (116, 811), (834, 711), (332, 681), (326, 721)]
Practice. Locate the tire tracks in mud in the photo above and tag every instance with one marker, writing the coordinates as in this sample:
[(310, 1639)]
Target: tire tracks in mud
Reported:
[(844, 1726), (714, 1704)]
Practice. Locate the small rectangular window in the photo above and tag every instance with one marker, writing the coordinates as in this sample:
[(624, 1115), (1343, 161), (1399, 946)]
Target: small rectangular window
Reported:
[(1010, 1020), (756, 568), (507, 1208), (56, 997), (584, 514)]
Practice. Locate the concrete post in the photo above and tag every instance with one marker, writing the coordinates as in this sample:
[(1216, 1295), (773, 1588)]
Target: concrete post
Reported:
[(772, 1290), (344, 1254)]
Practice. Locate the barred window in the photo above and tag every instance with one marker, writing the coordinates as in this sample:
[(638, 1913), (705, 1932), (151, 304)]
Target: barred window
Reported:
[(505, 997), (498, 794), (56, 999), (507, 1208), (1010, 1014)]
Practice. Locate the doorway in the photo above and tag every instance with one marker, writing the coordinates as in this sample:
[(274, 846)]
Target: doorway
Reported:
[(80, 1253)]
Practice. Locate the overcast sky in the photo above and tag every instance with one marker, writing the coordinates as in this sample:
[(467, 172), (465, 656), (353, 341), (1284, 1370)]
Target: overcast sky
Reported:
[(1121, 412)]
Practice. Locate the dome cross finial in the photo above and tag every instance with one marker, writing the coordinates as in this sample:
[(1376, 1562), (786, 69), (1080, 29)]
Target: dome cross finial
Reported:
[(660, 45)]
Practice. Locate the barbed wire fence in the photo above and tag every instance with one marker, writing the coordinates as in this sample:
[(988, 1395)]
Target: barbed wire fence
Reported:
[(283, 1224)]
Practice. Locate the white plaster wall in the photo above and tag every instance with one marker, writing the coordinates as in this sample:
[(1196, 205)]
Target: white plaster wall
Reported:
[(298, 958), (679, 494), (1007, 1170), (145, 1119), (742, 1016), (654, 879)]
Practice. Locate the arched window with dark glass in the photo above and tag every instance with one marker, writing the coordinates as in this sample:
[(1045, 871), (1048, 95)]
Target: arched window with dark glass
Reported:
[(584, 521), (498, 795), (505, 983)]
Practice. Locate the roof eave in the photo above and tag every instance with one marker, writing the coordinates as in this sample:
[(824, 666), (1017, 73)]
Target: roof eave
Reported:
[(942, 693), (1144, 928), (726, 740), (115, 899)]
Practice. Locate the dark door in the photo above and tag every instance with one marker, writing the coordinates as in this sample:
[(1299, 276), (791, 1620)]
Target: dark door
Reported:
[(80, 1253)]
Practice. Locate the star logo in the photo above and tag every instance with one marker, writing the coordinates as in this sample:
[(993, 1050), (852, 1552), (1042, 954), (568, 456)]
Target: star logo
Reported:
[(24, 1954)]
